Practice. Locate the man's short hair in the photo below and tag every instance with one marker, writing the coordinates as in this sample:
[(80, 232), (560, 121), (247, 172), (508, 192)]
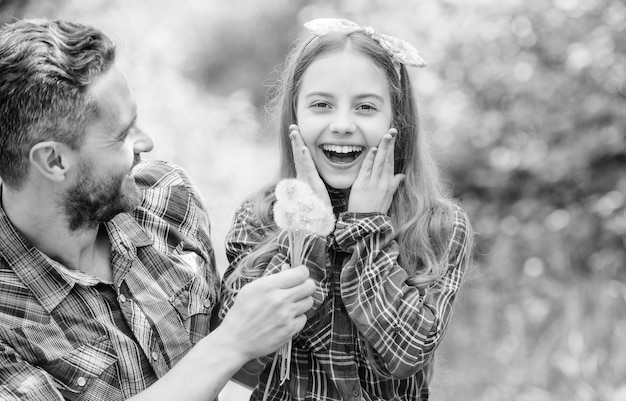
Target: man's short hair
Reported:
[(46, 67)]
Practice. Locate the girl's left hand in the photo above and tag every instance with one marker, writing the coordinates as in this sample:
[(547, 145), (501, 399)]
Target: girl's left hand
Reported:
[(376, 182)]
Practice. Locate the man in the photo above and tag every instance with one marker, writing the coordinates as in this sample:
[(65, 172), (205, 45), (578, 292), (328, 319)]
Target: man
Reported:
[(107, 276)]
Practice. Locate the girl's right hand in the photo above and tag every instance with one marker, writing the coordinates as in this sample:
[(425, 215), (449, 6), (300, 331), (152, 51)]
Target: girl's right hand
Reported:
[(305, 167)]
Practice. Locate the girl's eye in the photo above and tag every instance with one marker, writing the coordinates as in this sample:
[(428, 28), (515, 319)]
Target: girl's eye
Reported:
[(321, 105), (366, 107)]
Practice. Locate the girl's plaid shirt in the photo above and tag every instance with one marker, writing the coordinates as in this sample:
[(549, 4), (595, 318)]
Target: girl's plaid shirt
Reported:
[(363, 305)]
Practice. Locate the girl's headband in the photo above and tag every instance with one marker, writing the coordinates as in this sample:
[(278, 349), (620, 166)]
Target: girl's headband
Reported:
[(400, 50)]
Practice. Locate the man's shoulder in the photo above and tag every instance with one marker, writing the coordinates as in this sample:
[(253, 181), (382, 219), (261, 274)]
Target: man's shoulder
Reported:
[(151, 174)]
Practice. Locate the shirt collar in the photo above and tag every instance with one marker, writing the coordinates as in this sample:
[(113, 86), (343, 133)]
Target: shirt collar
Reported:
[(49, 283), (36, 271), (337, 200)]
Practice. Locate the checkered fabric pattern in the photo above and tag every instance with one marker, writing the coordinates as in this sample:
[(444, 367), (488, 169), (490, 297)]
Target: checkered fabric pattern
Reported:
[(67, 335), (363, 306)]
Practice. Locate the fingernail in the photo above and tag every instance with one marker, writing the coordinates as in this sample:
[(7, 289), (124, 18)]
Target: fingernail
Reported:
[(393, 133)]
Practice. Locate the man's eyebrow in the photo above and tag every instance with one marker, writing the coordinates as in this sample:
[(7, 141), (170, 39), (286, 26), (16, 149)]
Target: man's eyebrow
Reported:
[(128, 127)]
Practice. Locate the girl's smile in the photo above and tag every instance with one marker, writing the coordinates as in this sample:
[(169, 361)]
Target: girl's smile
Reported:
[(342, 154), (343, 110)]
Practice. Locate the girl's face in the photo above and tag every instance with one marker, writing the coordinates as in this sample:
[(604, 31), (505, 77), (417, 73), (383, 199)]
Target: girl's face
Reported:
[(343, 109)]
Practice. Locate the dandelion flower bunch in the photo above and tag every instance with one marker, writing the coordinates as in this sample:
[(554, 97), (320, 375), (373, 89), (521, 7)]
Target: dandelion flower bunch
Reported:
[(301, 213), (304, 216)]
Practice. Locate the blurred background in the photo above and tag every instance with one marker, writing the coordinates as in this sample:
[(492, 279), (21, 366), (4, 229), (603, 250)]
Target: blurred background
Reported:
[(525, 102)]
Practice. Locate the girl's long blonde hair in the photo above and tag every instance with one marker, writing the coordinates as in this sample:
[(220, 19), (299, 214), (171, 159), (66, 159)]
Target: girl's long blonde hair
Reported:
[(421, 211)]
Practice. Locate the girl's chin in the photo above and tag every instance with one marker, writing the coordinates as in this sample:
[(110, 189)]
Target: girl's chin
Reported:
[(340, 184)]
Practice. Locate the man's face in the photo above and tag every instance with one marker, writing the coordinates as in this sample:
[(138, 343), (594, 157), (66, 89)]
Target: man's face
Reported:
[(95, 198), (102, 185)]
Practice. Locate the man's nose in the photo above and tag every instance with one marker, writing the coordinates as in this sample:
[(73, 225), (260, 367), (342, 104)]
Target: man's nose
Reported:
[(143, 141)]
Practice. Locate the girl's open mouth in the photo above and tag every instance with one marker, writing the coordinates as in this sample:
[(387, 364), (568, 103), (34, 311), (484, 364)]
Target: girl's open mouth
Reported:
[(342, 154)]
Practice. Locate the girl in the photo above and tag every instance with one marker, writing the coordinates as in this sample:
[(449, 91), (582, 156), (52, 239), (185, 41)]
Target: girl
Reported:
[(388, 274)]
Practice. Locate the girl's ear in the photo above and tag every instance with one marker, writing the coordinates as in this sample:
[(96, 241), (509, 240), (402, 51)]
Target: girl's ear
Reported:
[(52, 159)]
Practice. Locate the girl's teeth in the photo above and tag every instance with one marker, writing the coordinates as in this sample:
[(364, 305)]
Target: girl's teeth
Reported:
[(342, 149)]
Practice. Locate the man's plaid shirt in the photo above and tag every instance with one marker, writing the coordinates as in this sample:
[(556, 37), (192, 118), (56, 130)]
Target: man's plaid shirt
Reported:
[(363, 305), (64, 334)]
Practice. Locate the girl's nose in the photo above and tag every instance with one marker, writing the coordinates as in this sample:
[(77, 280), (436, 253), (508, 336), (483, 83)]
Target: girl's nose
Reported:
[(342, 124), (143, 142)]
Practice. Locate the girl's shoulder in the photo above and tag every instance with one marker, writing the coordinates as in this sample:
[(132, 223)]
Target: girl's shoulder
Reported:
[(256, 209), (459, 217), (461, 234)]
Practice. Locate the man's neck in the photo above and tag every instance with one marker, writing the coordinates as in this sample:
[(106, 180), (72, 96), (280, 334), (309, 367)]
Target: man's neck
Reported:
[(38, 219)]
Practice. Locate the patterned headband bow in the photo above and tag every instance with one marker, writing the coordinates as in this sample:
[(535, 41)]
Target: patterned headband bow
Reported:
[(400, 50)]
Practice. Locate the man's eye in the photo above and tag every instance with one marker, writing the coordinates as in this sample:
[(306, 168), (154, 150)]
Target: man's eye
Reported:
[(122, 137)]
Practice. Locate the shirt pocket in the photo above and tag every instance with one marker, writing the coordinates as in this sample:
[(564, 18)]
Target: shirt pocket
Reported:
[(193, 296), (81, 370)]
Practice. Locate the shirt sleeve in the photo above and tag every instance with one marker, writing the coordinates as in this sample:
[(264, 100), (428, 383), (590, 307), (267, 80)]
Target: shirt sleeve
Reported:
[(173, 213), (175, 209), (19, 380), (403, 323)]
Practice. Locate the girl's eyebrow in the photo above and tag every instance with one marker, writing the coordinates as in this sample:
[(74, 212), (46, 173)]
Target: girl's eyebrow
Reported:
[(359, 97), (368, 95), (319, 93)]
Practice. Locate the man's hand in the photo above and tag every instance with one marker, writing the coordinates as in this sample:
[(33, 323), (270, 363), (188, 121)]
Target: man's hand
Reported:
[(269, 311)]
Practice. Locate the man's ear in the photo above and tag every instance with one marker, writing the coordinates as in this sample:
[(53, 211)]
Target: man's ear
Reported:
[(52, 159)]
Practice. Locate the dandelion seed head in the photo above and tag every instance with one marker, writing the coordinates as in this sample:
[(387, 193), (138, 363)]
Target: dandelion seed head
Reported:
[(297, 208)]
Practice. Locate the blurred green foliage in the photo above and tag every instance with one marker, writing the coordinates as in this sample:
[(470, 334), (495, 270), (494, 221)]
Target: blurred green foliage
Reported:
[(526, 104)]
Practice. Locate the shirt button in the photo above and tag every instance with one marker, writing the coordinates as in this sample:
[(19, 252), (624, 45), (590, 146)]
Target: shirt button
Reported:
[(207, 303), (122, 298), (347, 348), (81, 381), (355, 392), (155, 355)]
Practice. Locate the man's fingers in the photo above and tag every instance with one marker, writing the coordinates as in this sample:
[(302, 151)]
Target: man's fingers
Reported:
[(303, 305), (288, 278), (299, 323)]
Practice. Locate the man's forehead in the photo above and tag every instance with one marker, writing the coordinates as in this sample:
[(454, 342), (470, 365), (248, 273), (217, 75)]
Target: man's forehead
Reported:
[(115, 103)]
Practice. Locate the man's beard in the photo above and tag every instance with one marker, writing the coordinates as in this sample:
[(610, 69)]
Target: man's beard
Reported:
[(90, 202)]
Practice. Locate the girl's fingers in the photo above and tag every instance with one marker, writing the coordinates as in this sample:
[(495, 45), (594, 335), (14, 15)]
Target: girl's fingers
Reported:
[(302, 156), (365, 173), (397, 180), (383, 164), (297, 145), (305, 166), (388, 168)]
